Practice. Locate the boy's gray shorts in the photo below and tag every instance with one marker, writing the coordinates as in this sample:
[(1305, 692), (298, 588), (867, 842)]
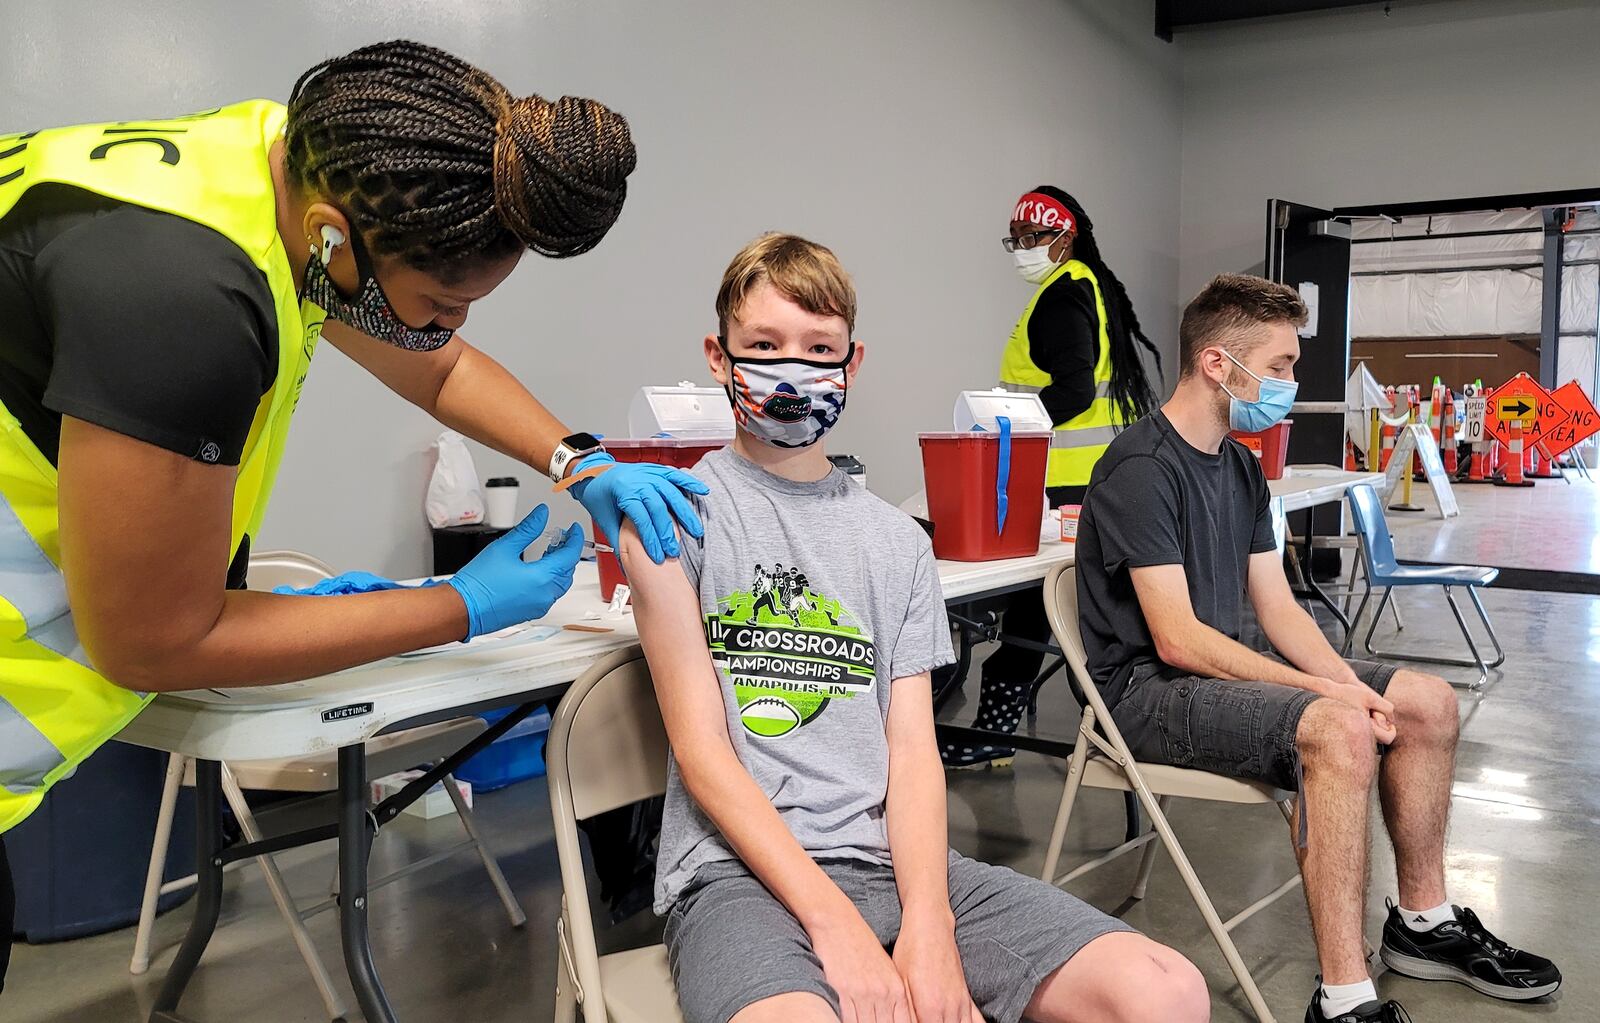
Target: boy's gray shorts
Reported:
[(732, 943)]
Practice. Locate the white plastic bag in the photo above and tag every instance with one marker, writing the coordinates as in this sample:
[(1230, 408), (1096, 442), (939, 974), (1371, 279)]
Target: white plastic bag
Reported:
[(454, 496)]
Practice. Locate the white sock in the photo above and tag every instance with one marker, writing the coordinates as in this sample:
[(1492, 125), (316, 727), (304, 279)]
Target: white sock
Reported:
[(1421, 920), (1341, 998)]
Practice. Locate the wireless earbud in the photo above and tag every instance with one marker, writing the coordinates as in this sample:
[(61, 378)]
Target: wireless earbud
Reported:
[(332, 238)]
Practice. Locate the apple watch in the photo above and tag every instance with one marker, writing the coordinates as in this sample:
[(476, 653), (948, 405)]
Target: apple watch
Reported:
[(570, 450)]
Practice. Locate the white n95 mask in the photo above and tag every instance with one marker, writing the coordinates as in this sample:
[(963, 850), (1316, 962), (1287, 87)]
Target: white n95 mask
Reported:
[(788, 403)]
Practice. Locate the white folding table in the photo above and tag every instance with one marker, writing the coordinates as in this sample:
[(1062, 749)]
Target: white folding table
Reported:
[(1306, 486), (345, 710)]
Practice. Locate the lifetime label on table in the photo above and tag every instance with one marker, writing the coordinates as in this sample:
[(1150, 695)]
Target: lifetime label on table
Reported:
[(349, 710)]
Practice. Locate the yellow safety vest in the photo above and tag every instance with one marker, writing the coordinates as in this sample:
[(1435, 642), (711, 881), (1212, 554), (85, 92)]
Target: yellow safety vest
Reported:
[(211, 168), (1077, 444)]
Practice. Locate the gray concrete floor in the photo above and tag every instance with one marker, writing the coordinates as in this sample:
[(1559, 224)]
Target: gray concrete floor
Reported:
[(1526, 820), (1552, 526)]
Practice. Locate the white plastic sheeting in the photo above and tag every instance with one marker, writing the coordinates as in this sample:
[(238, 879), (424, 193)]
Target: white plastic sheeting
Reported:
[(1459, 304), (1420, 243), (1467, 302), (1575, 361)]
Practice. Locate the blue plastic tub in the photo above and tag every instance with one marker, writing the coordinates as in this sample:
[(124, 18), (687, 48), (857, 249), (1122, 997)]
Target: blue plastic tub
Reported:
[(516, 756)]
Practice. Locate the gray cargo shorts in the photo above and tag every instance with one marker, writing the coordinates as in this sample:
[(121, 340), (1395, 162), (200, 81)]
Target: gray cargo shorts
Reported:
[(1239, 729), (731, 943)]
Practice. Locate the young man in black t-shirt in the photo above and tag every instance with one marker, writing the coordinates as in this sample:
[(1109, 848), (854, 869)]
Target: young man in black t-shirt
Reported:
[(1176, 530)]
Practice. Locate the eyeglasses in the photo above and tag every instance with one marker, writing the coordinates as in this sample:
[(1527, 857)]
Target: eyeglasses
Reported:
[(1029, 240)]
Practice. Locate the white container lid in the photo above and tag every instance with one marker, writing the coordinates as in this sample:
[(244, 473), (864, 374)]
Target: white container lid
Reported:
[(686, 410), (981, 409)]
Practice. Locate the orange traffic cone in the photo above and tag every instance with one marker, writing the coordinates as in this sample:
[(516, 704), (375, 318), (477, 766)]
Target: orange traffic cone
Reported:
[(1447, 435), (1349, 456), (1514, 460), (1544, 467), (1389, 433), (1477, 466)]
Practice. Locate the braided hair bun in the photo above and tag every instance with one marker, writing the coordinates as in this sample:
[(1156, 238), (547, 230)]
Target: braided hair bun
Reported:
[(437, 163), (561, 172)]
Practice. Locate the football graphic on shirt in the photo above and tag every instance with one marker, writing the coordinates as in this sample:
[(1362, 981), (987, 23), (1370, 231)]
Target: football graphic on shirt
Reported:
[(769, 717), (788, 651)]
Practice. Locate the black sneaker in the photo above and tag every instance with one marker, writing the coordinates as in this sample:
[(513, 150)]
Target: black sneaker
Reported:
[(1464, 951), (1366, 1012)]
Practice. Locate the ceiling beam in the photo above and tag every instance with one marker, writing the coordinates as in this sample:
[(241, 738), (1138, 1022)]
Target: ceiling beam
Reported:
[(1172, 15)]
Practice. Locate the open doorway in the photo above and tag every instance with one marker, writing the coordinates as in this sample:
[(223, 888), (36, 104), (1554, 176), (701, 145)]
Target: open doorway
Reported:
[(1454, 289), (1461, 296)]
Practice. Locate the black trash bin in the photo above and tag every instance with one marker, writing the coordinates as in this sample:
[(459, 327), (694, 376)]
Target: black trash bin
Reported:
[(79, 861)]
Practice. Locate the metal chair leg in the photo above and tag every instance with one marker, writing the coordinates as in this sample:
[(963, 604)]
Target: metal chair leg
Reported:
[(1455, 609), (176, 762), (1499, 651), (290, 912), (1147, 860), (1377, 616), (566, 974), (490, 864), (1350, 587), (1350, 633), (1202, 901), (1069, 795), (1476, 661)]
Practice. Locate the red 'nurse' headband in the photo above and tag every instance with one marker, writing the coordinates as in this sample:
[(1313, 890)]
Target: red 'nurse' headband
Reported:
[(1041, 209)]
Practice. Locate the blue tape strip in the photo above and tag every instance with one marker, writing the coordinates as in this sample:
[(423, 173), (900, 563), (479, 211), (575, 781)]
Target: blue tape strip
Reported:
[(1002, 476)]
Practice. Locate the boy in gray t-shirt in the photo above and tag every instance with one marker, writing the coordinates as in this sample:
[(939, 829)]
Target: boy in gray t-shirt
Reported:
[(804, 866)]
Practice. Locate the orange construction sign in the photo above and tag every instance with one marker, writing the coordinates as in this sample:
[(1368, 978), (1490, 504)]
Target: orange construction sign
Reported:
[(1521, 399), (1582, 422)]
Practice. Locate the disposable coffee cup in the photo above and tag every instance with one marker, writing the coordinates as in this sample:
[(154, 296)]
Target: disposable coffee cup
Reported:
[(500, 502)]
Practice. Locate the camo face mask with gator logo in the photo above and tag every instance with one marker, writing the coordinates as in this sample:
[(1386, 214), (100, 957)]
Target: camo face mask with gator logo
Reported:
[(788, 403)]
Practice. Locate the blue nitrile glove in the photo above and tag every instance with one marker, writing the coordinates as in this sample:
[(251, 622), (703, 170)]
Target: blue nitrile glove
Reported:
[(350, 582), (501, 590), (651, 496)]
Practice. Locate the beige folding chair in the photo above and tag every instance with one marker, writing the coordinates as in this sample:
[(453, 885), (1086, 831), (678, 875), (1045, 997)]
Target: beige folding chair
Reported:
[(1101, 760), (385, 755), (607, 748)]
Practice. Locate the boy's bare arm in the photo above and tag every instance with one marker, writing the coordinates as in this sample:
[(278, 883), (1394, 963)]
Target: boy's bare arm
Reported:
[(667, 611)]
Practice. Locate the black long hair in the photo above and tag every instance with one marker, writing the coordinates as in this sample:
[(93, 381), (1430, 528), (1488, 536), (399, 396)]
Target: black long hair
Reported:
[(1130, 386)]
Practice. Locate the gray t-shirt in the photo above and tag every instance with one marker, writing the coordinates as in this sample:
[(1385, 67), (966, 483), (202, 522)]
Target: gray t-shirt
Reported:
[(815, 597)]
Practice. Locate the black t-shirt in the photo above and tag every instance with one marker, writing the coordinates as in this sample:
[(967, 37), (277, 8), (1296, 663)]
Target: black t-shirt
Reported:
[(1064, 341), (1155, 500), (138, 321)]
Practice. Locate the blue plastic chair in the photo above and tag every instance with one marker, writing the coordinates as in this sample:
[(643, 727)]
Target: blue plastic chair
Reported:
[(1384, 570)]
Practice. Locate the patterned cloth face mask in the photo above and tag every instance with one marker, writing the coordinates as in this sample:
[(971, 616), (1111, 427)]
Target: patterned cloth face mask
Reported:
[(370, 311), (788, 403)]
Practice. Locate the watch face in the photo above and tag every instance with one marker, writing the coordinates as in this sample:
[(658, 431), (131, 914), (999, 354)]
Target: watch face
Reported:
[(582, 442)]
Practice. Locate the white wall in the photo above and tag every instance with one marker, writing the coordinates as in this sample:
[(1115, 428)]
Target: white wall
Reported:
[(897, 133), (1349, 107)]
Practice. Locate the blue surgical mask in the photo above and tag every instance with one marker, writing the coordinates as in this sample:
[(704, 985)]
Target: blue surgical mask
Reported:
[(1274, 402)]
